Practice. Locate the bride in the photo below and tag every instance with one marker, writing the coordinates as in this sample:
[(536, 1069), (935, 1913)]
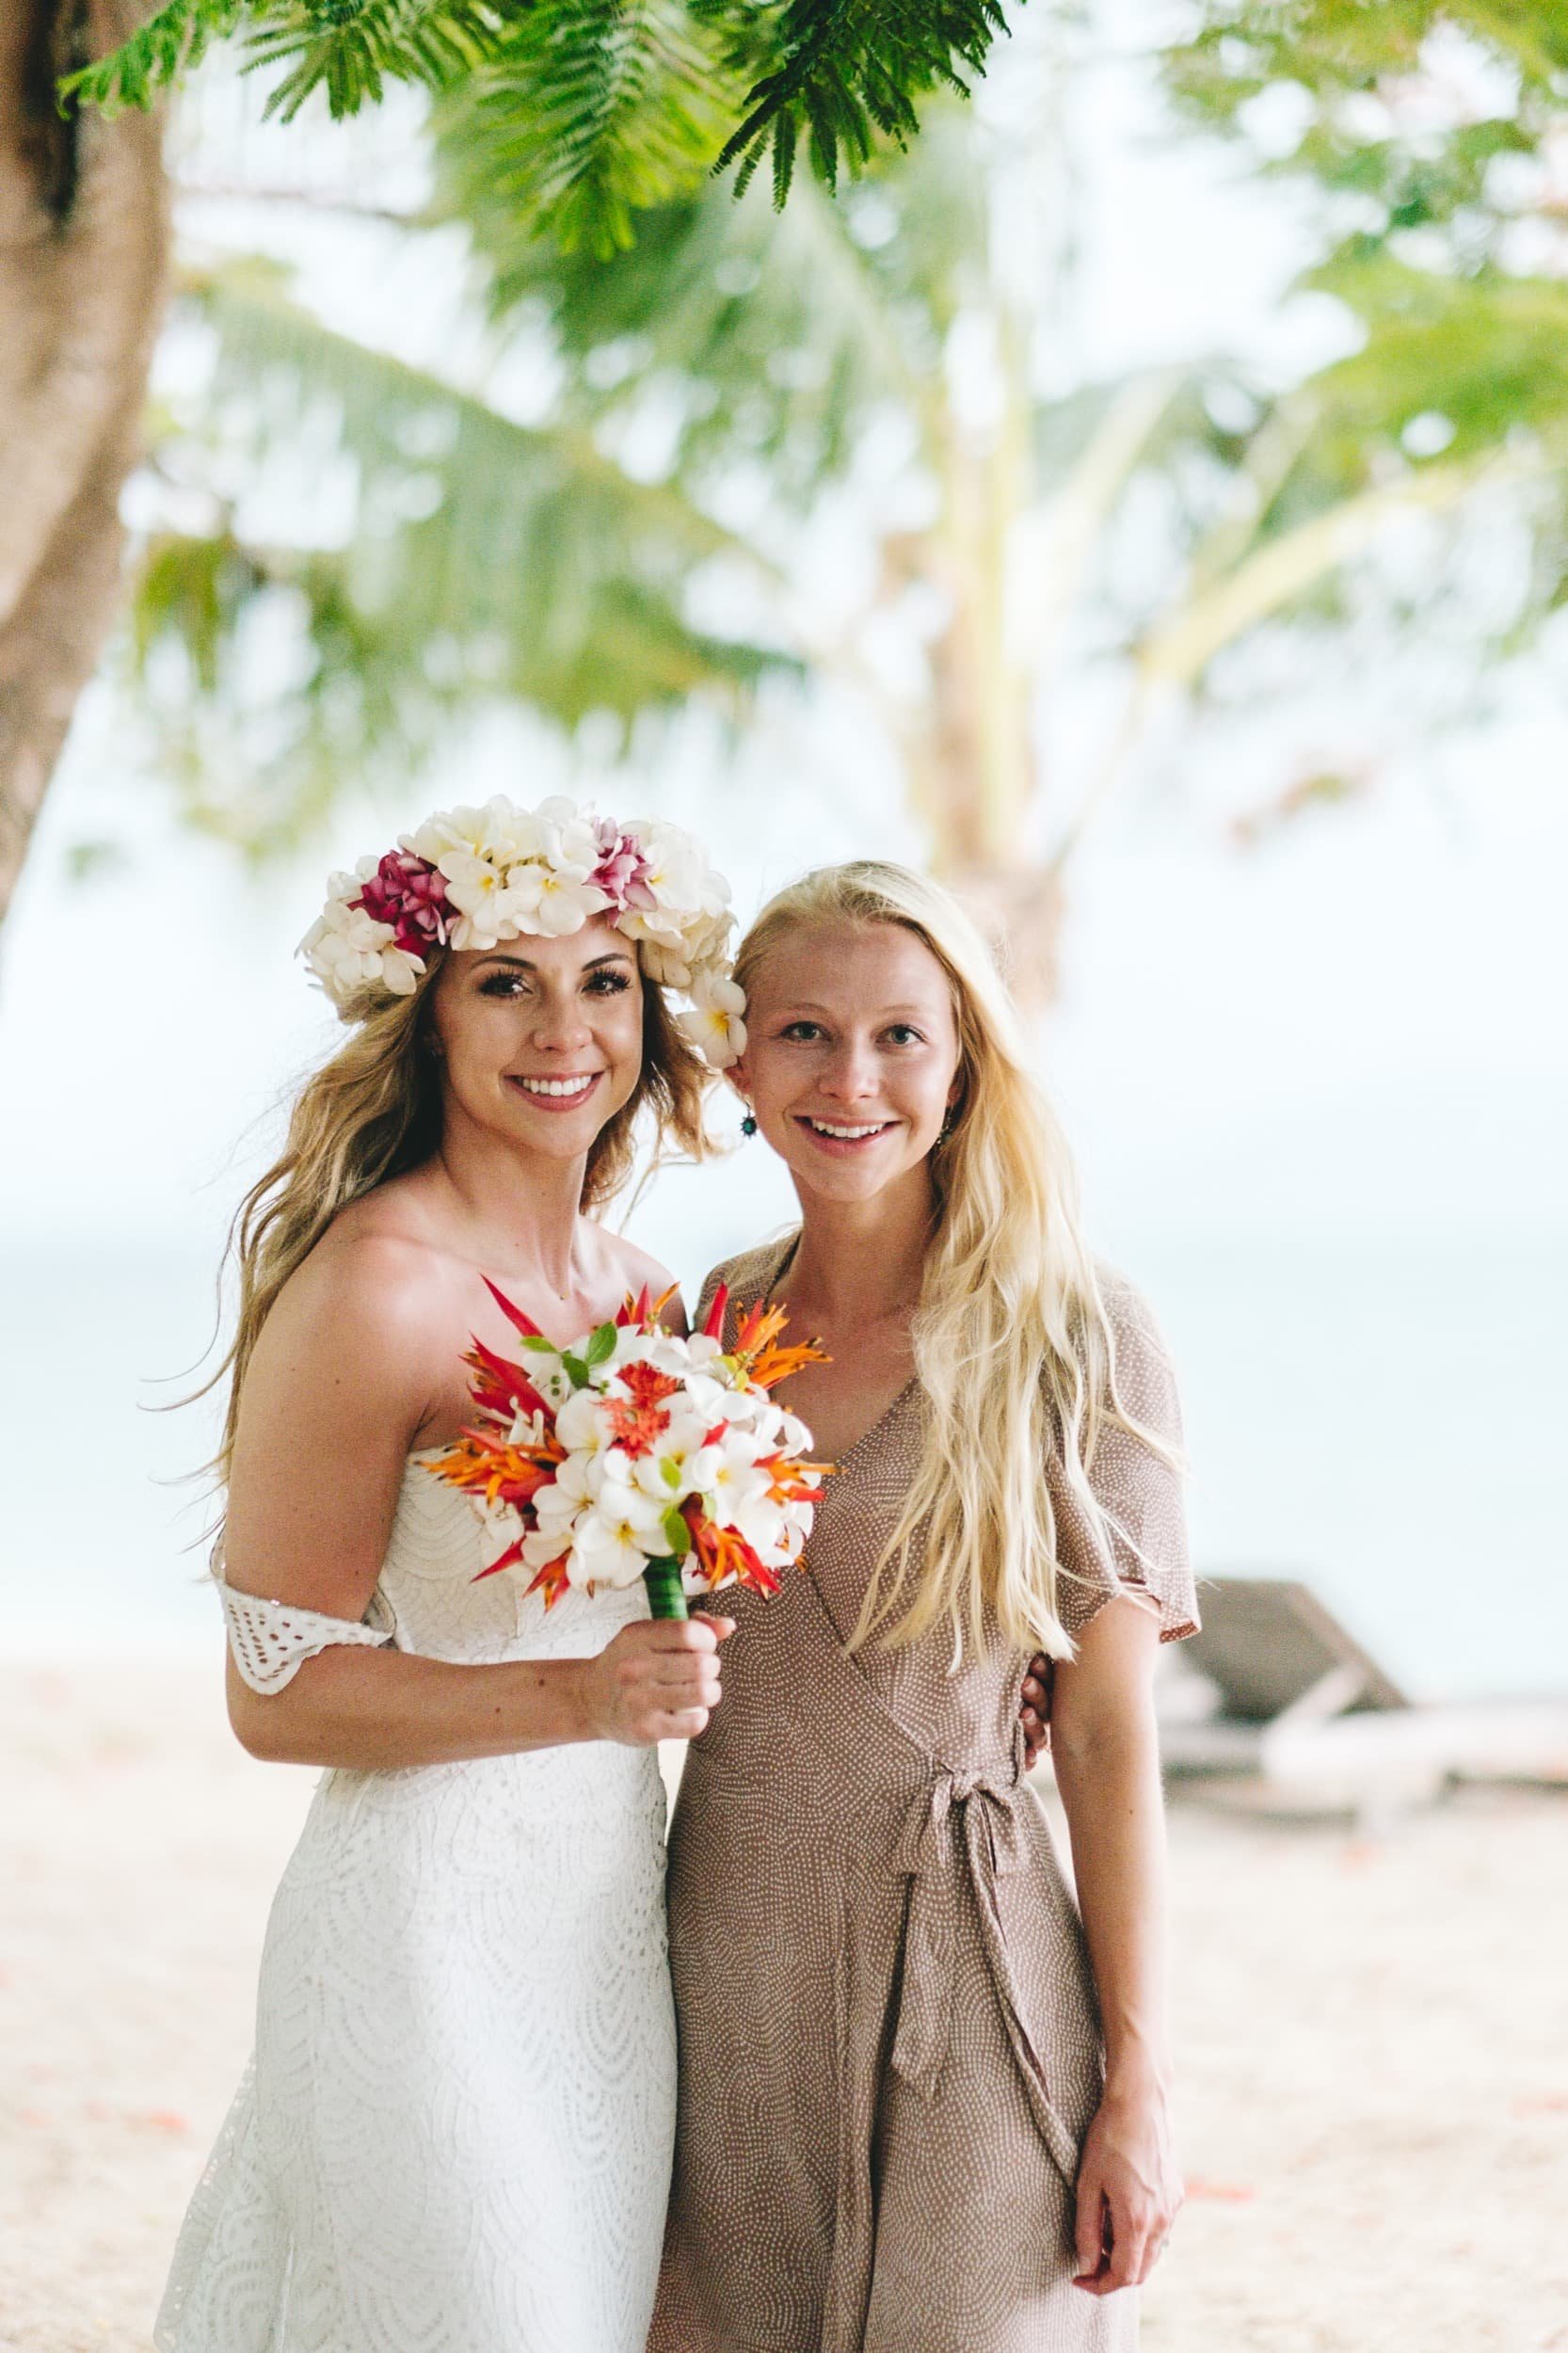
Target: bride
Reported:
[(456, 2134)]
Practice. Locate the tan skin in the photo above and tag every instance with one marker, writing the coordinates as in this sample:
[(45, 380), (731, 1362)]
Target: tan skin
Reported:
[(359, 1365), (853, 1026)]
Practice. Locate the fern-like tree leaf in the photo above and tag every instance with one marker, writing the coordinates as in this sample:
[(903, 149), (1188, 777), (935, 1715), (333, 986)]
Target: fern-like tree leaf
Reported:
[(350, 49), (592, 111), (844, 73), (151, 60)]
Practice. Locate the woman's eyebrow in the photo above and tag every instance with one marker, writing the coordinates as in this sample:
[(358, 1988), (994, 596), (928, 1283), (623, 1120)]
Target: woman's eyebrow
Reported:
[(880, 1013), (525, 964)]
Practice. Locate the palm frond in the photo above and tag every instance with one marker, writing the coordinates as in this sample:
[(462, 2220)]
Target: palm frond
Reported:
[(486, 563)]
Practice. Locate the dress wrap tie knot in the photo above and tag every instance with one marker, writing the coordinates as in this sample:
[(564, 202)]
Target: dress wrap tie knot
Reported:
[(959, 1822)]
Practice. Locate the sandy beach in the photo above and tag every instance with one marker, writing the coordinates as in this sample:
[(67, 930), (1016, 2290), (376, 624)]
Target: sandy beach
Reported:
[(1373, 2041)]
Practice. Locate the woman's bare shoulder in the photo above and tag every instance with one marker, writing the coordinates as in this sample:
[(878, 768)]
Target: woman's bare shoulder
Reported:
[(374, 1275)]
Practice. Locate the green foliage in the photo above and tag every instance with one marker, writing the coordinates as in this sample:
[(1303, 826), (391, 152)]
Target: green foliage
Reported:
[(351, 48), (840, 72), (590, 111), (771, 340), (347, 48), (1486, 356), (597, 109), (1184, 516), (1403, 168), (168, 44), (479, 562)]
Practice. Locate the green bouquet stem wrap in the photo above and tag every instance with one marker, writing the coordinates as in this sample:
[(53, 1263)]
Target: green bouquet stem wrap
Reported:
[(665, 1596)]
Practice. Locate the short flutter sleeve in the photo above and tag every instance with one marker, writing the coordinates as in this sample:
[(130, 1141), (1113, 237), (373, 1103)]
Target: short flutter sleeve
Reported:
[(1143, 1548)]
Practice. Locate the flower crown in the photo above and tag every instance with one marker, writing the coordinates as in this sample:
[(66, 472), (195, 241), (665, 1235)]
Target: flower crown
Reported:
[(473, 877)]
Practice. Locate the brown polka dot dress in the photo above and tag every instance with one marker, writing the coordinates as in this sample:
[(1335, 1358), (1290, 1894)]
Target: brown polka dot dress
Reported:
[(890, 2049)]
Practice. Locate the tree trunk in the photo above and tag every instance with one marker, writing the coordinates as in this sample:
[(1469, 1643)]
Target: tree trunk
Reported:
[(84, 245)]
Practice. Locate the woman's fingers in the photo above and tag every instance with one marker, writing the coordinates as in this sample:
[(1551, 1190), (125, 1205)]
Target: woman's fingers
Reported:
[(686, 1724), (1130, 2241), (1089, 2220)]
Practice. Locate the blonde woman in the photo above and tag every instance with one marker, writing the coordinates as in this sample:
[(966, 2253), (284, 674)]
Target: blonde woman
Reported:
[(923, 2095), (455, 2136)]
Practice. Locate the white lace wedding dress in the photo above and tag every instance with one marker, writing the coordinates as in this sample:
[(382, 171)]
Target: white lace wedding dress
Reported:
[(456, 2133)]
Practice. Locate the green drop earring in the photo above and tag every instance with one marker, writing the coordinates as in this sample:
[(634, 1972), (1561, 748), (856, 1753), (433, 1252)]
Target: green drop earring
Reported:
[(748, 1124)]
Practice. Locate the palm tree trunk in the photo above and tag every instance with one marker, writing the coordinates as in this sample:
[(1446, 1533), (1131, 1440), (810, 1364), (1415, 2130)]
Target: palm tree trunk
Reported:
[(84, 243), (979, 782)]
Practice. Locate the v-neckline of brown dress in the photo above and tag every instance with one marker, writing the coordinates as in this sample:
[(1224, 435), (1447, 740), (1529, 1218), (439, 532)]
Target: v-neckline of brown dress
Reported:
[(786, 1251), (890, 2045)]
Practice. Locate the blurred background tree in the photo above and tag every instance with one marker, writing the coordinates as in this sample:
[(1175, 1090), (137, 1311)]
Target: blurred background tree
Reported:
[(614, 501), (84, 231)]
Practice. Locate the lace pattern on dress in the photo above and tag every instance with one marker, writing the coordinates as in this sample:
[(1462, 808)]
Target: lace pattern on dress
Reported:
[(272, 1639)]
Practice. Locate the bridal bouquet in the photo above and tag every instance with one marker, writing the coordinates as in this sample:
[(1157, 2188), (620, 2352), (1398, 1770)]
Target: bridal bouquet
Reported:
[(638, 1454)]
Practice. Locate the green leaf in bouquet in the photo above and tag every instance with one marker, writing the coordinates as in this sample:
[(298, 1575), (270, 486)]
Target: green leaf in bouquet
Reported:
[(536, 1341), (577, 1371), (677, 1534), (670, 1471), (601, 1345)]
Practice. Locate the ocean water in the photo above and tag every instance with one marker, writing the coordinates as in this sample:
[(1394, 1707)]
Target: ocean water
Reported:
[(1384, 1417)]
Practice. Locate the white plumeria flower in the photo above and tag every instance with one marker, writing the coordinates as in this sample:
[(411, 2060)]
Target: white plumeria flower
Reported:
[(727, 1476), (663, 963), (615, 1541), (545, 900), (347, 949), (715, 1025), (579, 1424), (556, 1509), (543, 1545), (486, 909), (571, 840)]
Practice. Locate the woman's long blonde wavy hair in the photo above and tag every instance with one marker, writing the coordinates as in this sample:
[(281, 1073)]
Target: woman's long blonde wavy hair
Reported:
[(374, 1112), (1013, 1345)]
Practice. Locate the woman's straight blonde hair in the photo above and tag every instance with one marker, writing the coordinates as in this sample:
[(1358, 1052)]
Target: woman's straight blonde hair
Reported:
[(374, 1112), (1013, 1346)]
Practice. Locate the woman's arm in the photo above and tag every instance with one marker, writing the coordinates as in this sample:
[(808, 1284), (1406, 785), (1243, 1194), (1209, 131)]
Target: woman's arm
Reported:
[(1106, 1753), (332, 1403)]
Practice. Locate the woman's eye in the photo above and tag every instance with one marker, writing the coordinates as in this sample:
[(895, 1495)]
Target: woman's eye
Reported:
[(800, 1031), (609, 983), (902, 1035), (501, 985)]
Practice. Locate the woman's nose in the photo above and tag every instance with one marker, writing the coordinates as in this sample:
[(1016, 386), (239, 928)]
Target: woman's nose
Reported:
[(850, 1072), (560, 1024)]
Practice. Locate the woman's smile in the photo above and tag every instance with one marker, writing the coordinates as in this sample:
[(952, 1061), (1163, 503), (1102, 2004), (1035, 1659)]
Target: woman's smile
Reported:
[(555, 1093), (843, 1138)]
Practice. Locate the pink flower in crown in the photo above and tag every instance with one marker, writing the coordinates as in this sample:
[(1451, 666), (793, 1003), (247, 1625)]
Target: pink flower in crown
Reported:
[(409, 893), (622, 867)]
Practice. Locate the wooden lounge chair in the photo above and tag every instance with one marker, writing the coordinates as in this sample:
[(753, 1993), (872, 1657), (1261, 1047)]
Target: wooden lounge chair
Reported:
[(1275, 1707)]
